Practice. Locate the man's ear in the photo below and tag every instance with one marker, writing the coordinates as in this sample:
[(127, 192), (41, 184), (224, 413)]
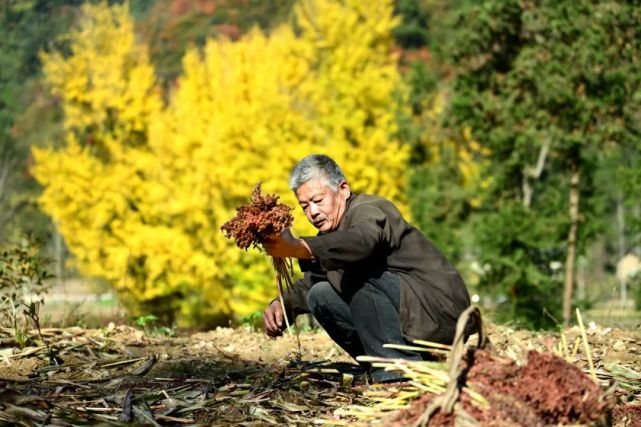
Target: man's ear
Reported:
[(344, 189)]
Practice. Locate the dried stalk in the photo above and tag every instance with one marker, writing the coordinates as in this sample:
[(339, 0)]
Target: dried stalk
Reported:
[(586, 344), (283, 267), (282, 274)]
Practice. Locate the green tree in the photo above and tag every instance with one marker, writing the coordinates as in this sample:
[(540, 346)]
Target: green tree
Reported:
[(26, 27), (442, 186), (547, 87)]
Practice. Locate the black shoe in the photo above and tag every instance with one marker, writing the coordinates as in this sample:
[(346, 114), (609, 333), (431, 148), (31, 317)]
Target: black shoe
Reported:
[(381, 376), (343, 373)]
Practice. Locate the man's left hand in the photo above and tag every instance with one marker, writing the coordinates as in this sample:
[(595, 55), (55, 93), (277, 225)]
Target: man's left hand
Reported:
[(285, 245)]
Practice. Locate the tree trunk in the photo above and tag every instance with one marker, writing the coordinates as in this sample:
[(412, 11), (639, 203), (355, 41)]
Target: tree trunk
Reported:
[(620, 225), (534, 173), (621, 241), (5, 165), (570, 261), (57, 244), (637, 237)]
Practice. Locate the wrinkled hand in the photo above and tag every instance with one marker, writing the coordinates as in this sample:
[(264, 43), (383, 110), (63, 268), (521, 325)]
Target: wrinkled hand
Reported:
[(274, 320), (285, 245)]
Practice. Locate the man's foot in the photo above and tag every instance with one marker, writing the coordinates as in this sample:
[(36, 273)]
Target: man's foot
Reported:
[(381, 376), (335, 367), (346, 374)]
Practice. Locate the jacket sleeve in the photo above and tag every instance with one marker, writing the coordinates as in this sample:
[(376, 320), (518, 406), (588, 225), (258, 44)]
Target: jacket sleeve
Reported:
[(368, 231)]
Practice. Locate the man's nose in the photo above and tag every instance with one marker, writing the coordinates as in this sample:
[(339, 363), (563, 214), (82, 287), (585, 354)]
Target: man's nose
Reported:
[(313, 211)]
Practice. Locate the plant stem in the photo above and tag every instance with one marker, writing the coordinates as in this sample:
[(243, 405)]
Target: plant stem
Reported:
[(586, 344), (282, 301), (284, 274)]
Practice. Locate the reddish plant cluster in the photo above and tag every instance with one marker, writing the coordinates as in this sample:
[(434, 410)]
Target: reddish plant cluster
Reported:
[(627, 415), (546, 391), (253, 222)]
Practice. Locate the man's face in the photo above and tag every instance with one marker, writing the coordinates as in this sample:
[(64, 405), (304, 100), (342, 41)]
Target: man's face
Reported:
[(323, 207)]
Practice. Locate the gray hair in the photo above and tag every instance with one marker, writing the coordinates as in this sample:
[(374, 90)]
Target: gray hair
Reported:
[(316, 165)]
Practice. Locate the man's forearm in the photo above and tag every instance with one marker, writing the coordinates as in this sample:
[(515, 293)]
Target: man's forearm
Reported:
[(306, 252)]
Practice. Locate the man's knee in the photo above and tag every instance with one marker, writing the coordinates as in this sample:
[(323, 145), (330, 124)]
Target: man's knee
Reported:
[(320, 295)]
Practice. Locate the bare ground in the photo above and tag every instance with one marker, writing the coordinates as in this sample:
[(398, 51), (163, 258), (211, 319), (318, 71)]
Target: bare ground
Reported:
[(236, 376)]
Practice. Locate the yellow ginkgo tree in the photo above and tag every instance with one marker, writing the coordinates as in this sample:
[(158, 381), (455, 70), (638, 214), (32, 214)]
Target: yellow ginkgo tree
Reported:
[(140, 188)]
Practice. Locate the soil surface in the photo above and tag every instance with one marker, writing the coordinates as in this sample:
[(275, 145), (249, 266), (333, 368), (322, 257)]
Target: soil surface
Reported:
[(235, 375)]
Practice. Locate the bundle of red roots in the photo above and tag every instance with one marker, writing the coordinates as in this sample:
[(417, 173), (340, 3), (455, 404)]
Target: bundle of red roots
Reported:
[(257, 220), (254, 223)]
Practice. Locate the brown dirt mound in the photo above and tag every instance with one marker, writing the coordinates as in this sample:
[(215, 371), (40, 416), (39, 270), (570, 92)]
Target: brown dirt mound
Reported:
[(627, 415), (558, 391), (547, 390)]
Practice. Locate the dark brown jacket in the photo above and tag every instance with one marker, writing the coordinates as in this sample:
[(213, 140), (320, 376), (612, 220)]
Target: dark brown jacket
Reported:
[(373, 237)]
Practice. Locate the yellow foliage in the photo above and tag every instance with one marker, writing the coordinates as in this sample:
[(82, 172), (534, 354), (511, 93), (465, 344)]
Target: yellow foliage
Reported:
[(107, 83), (350, 93), (140, 189)]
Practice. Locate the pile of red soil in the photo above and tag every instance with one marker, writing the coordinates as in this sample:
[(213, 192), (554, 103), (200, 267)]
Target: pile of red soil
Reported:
[(546, 391), (627, 415), (258, 219)]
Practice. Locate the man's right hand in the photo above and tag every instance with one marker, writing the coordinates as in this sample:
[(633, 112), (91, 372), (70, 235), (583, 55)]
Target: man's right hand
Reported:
[(274, 320)]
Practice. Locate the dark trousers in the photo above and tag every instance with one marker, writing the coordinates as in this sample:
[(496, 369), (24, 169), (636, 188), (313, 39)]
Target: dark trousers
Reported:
[(362, 319)]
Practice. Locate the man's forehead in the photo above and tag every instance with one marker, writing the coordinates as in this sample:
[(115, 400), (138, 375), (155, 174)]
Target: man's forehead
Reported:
[(312, 188)]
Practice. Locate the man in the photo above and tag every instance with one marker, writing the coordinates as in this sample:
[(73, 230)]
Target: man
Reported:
[(370, 278)]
